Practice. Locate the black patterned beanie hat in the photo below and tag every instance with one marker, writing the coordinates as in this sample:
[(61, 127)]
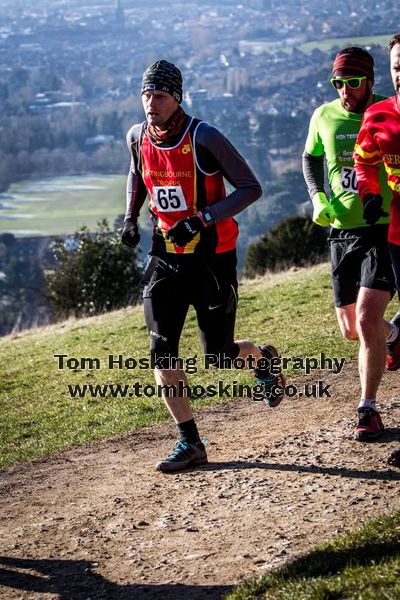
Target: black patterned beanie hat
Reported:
[(164, 77)]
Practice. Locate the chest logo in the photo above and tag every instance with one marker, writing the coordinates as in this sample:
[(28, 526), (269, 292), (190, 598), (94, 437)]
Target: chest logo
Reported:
[(186, 149)]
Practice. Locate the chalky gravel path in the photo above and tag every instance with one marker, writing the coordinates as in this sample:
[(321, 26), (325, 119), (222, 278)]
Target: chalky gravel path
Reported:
[(98, 522)]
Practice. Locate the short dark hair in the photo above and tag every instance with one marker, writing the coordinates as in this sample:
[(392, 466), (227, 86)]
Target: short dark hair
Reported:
[(395, 40)]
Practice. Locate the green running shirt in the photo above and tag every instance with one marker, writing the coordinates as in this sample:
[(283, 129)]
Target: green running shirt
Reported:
[(333, 131)]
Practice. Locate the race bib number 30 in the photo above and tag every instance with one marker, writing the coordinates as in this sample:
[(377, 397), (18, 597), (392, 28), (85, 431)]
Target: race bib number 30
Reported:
[(348, 180), (169, 199)]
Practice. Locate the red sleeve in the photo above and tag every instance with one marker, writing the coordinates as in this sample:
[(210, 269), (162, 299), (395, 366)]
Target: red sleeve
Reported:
[(367, 159)]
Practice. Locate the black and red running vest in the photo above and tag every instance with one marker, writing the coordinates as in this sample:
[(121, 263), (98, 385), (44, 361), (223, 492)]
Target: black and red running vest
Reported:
[(179, 188)]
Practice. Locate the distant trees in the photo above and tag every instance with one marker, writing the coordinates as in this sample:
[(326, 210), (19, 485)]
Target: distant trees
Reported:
[(22, 300), (281, 131), (53, 142), (87, 274), (94, 273), (281, 199), (295, 241)]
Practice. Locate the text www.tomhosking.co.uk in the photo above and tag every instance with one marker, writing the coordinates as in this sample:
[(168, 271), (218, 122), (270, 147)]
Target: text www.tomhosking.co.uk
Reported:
[(191, 365)]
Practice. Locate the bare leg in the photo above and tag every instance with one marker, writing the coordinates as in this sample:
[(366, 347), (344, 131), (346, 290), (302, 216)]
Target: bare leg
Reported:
[(346, 316), (247, 348), (363, 320), (372, 332), (178, 406)]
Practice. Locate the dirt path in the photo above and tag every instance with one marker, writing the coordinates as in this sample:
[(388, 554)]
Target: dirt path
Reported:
[(100, 523)]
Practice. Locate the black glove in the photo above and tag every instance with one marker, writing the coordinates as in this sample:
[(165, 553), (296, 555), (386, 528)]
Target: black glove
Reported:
[(184, 231), (373, 208), (130, 235)]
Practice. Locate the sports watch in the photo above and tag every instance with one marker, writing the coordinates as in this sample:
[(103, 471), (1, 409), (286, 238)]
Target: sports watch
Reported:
[(206, 218)]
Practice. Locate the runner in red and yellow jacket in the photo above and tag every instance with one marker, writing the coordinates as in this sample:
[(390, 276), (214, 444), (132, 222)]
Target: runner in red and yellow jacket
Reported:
[(379, 142), (181, 162)]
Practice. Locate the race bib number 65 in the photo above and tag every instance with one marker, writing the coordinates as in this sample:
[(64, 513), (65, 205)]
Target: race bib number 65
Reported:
[(348, 180), (169, 199)]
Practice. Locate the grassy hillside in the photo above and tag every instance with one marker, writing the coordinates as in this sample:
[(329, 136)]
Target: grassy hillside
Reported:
[(364, 564), (60, 205), (329, 44), (292, 310), (325, 45)]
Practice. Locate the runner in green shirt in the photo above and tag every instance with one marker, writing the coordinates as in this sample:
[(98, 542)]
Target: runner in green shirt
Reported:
[(362, 278), (333, 133)]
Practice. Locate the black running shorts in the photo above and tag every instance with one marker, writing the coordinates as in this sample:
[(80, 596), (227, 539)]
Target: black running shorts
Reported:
[(360, 258), (395, 256), (174, 283)]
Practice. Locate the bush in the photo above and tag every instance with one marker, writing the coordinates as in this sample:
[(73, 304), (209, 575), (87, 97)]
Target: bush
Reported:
[(94, 273), (296, 241), (23, 303)]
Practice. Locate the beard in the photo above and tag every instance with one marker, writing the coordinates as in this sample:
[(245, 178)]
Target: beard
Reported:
[(356, 106)]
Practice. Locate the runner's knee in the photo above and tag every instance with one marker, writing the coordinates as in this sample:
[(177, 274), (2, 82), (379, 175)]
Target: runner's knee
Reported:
[(169, 377), (368, 326)]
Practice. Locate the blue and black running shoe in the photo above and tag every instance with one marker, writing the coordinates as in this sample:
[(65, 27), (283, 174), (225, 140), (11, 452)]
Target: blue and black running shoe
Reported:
[(270, 383), (183, 456)]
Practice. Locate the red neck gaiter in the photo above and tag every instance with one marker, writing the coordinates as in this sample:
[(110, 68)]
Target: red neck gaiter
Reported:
[(163, 136)]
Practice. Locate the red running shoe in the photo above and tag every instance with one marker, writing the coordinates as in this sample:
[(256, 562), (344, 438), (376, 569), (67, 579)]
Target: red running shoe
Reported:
[(369, 425)]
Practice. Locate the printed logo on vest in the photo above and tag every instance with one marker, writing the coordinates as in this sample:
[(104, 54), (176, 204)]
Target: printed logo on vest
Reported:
[(186, 149)]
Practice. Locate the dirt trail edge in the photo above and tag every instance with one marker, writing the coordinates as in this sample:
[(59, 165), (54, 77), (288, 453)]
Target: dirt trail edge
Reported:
[(99, 522)]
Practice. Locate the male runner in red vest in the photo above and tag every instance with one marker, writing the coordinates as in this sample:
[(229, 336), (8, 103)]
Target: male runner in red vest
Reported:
[(379, 142), (181, 163)]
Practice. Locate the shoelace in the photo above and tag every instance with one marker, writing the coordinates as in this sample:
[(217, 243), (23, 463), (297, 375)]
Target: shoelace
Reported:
[(268, 380), (180, 446), (185, 446)]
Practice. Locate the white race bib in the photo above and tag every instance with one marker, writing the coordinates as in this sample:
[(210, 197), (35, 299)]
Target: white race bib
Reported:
[(169, 198), (348, 180)]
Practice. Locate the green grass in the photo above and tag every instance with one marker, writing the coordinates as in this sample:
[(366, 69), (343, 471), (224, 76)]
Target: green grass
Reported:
[(294, 311), (363, 564), (61, 205), (328, 44)]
